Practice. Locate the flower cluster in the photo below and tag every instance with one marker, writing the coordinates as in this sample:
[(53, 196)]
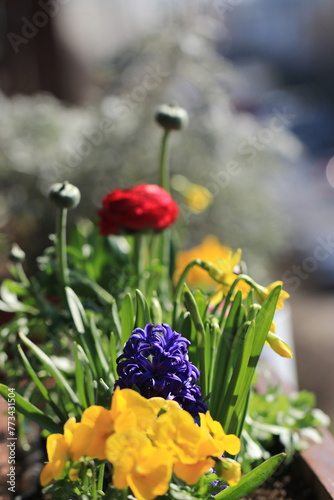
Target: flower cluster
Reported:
[(155, 361), (141, 208), (146, 441)]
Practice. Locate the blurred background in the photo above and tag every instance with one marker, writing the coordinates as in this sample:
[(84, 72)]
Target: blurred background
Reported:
[(80, 80)]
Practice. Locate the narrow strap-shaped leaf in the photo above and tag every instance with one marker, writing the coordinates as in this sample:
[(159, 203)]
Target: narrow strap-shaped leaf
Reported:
[(76, 309), (263, 322), (113, 354), (79, 358), (52, 369), (116, 320), (32, 412), (39, 384), (142, 311), (191, 306), (221, 361), (239, 379), (249, 482), (98, 347), (127, 318)]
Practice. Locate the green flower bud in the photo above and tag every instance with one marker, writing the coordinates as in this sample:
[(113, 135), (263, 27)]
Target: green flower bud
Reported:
[(16, 254), (171, 117), (65, 195)]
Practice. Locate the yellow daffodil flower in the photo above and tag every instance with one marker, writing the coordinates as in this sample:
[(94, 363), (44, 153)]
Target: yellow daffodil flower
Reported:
[(262, 293), (229, 470), (279, 346), (57, 447), (209, 250), (138, 464), (197, 198)]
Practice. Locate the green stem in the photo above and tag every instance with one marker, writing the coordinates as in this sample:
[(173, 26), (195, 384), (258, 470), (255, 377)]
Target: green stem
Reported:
[(164, 161), (138, 260), (230, 294), (33, 288), (94, 490), (21, 275), (61, 247), (125, 493), (179, 286), (101, 477)]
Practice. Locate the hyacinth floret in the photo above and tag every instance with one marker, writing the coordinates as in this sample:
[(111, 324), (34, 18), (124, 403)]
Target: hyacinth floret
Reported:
[(155, 361)]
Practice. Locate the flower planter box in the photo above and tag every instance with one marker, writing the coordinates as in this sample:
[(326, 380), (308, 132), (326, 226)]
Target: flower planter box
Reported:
[(317, 463)]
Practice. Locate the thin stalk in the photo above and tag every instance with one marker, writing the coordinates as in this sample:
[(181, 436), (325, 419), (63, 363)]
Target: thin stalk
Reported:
[(164, 162), (21, 275), (94, 489), (164, 237), (101, 477), (61, 247), (125, 493), (33, 288), (139, 260), (179, 286)]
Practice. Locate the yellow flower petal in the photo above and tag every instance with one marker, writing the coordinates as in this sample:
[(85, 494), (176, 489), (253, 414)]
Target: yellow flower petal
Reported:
[(232, 444), (57, 453), (74, 474), (82, 438), (209, 250), (198, 198), (279, 346), (152, 474), (190, 473), (230, 471), (46, 475)]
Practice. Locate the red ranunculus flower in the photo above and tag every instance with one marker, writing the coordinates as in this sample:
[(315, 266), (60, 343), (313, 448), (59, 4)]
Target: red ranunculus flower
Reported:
[(140, 208)]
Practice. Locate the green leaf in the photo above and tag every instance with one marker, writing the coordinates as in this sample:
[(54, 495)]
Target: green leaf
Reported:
[(51, 368), (252, 480), (191, 306), (80, 360), (40, 386), (98, 347), (127, 318), (76, 309), (239, 384), (224, 354), (32, 412), (142, 311)]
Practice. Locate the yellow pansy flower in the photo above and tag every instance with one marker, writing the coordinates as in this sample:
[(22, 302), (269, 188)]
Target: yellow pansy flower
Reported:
[(178, 433), (229, 442), (192, 446), (130, 410), (138, 464), (57, 447), (91, 434), (190, 473), (160, 405)]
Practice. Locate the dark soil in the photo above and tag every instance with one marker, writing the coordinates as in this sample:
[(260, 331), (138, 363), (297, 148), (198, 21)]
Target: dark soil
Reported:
[(290, 485)]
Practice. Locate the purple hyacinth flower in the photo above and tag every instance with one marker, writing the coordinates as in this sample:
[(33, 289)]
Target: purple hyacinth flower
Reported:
[(155, 360)]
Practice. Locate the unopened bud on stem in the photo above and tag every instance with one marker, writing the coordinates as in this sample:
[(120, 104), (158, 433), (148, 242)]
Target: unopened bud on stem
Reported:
[(65, 195)]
